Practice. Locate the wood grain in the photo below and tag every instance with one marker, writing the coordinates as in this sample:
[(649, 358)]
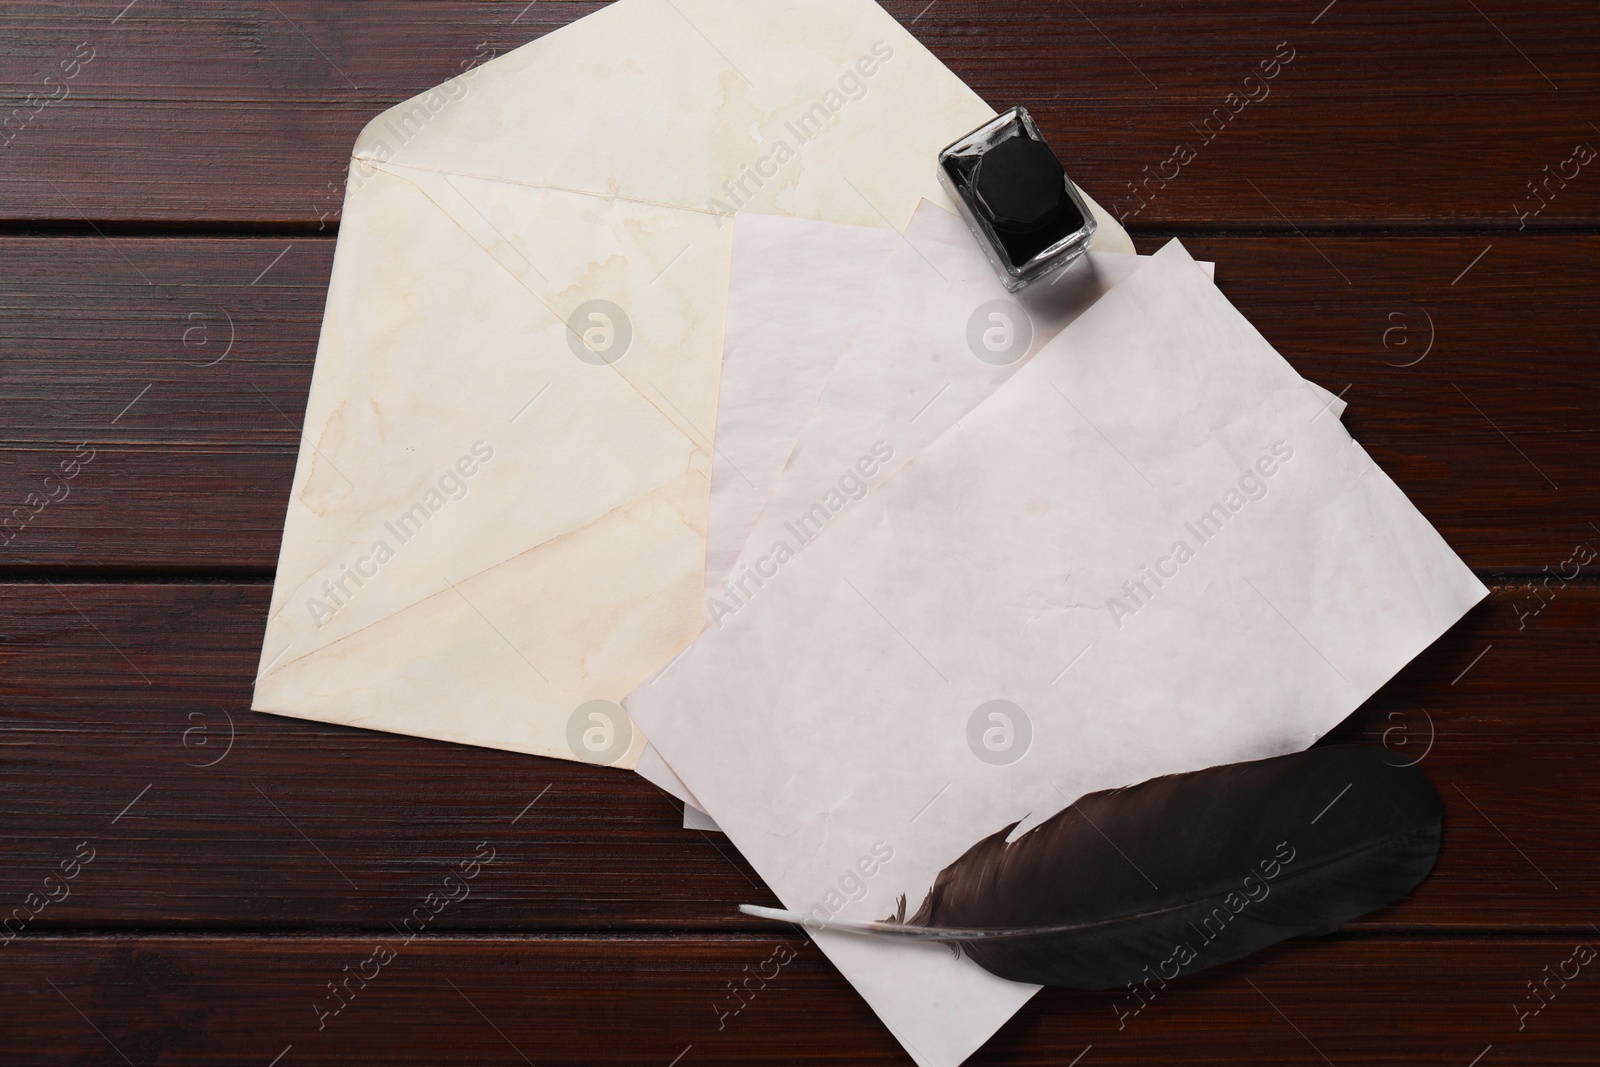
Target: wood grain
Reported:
[(124, 345), (111, 688), (219, 1001), (1401, 113), (166, 232)]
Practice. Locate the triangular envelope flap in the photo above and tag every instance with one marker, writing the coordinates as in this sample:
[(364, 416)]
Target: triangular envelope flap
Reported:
[(507, 658), (715, 105), (426, 457)]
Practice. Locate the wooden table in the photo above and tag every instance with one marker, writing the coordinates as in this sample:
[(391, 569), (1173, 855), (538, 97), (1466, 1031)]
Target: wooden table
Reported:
[(1402, 214)]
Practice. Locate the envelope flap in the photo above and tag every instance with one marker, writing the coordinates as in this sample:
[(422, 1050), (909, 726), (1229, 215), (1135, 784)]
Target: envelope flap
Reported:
[(515, 657), (714, 105), (450, 418)]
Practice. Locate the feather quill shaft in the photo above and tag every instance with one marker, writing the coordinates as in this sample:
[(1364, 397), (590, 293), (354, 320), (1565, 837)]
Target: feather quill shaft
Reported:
[(901, 929)]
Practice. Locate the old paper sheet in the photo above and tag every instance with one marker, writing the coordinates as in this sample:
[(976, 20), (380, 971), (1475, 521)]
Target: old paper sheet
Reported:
[(1152, 550)]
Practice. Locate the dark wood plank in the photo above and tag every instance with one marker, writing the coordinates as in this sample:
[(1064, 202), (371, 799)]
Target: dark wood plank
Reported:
[(121, 694), (223, 1001), (1398, 113), (173, 374), (271, 96), (123, 346)]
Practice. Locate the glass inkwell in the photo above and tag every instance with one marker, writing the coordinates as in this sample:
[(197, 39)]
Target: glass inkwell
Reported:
[(1017, 198)]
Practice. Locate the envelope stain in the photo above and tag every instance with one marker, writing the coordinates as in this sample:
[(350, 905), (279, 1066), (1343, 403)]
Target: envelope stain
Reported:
[(642, 367), (602, 277), (323, 484)]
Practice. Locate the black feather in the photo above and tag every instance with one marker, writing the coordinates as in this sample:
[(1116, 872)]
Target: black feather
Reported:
[(1187, 871)]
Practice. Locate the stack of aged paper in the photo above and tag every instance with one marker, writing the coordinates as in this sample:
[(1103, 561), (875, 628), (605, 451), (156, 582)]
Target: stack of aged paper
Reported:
[(900, 375), (1150, 547)]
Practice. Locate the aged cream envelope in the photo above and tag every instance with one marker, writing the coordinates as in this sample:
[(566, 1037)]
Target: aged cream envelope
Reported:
[(497, 525), (1152, 550)]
